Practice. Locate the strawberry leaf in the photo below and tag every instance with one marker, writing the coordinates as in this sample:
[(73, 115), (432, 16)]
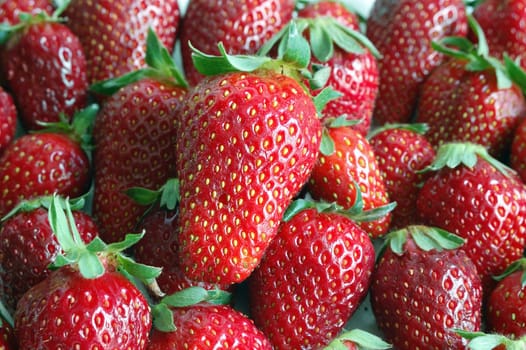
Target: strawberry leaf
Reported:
[(194, 295), (294, 48), (321, 43), (145, 273), (163, 319), (143, 196), (418, 128), (363, 339), (320, 76), (327, 146), (324, 97), (90, 266)]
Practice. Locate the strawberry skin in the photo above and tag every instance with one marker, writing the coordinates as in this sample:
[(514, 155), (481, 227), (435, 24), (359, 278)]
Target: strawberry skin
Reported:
[(42, 164), (113, 32), (11, 9), (518, 150), (402, 31), (418, 297), (204, 326), (312, 278), (8, 115), (247, 144), (134, 135), (353, 161), (460, 105), (45, 68), (483, 206), (67, 311), (242, 26), (28, 246)]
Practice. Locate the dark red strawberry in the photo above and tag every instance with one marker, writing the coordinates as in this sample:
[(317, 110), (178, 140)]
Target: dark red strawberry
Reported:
[(8, 115), (113, 32), (247, 143), (312, 278), (10, 10), (506, 306), (423, 288), (478, 198), (401, 151), (518, 150), (28, 245), (87, 302), (403, 31), (351, 165), (7, 337), (45, 68), (134, 136), (473, 98), (242, 26)]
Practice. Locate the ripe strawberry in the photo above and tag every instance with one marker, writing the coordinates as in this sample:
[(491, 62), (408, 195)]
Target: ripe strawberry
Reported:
[(478, 198), (351, 165), (28, 245), (86, 303), (7, 337), (401, 151), (312, 278), (506, 309), (10, 10), (518, 150), (45, 68), (205, 326), (247, 143), (113, 32), (351, 60), (8, 115), (472, 98), (402, 31), (241, 26), (134, 137), (423, 287)]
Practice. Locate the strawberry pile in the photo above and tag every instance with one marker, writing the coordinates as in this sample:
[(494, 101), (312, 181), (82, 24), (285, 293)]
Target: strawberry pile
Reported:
[(266, 174)]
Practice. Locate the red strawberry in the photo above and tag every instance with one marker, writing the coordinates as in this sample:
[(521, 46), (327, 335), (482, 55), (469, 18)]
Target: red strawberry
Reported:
[(86, 303), (242, 26), (401, 151), (28, 245), (402, 31), (45, 68), (351, 165), (506, 306), (352, 62), (472, 98), (7, 337), (501, 20), (312, 278), (518, 150), (478, 198), (10, 10), (423, 287), (134, 137), (205, 326), (247, 144), (8, 116), (113, 32)]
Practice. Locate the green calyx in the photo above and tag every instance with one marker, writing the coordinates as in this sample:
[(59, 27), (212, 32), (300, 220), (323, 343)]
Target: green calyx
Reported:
[(92, 257), (517, 265), (160, 66), (478, 57), (454, 154), (355, 213), (484, 341), (29, 205), (417, 128), (162, 313), (167, 195), (426, 238), (360, 338)]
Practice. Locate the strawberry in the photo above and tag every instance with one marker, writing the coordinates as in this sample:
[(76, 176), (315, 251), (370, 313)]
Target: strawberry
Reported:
[(423, 287), (113, 32), (351, 165), (28, 245), (86, 303), (401, 151), (134, 137), (351, 60), (518, 150), (52, 161), (473, 97), (473, 195), (248, 140), (7, 337), (45, 68), (10, 10), (241, 26), (312, 278), (506, 307), (403, 31), (8, 115)]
